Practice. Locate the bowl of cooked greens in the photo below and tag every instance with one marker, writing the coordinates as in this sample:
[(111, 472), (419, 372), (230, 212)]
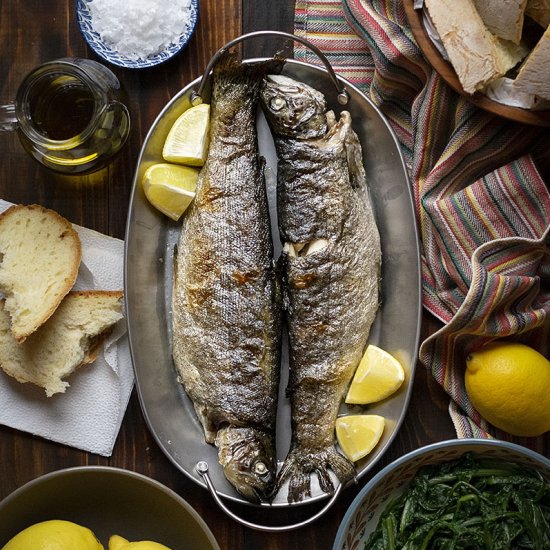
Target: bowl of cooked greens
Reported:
[(467, 493)]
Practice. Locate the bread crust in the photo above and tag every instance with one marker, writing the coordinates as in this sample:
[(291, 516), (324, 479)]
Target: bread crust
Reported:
[(25, 362), (71, 269)]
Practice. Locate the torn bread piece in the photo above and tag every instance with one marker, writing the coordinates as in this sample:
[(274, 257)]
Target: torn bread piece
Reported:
[(40, 253), (477, 56), (503, 18), (534, 73), (539, 11), (71, 337)]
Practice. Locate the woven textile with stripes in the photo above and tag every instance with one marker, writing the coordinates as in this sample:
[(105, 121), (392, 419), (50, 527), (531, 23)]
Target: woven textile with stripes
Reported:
[(481, 201)]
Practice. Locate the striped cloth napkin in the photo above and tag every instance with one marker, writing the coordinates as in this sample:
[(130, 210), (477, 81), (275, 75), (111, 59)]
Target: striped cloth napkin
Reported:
[(482, 205)]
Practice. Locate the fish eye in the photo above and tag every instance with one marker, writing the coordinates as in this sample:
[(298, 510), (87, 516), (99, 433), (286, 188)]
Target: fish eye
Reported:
[(260, 469), (277, 103)]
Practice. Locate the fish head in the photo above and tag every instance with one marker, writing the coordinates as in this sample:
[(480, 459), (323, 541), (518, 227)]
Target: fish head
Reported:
[(292, 108), (248, 461)]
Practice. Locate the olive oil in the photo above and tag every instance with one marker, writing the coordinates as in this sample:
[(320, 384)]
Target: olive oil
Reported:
[(71, 116), (62, 108)]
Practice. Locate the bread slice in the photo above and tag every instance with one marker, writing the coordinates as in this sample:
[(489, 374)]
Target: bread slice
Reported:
[(534, 74), (539, 11), (70, 338), (504, 18), (477, 56), (40, 253)]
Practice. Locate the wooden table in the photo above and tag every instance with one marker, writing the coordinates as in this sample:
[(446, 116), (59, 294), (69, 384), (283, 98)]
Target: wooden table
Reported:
[(35, 31)]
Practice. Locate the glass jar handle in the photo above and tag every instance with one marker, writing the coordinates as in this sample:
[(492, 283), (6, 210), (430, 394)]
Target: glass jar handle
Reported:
[(8, 118)]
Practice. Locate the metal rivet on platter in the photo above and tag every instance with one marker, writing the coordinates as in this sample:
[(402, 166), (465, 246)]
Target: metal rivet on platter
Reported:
[(202, 467), (343, 97)]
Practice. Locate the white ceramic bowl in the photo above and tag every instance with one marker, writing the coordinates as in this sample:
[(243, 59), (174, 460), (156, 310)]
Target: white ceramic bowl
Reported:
[(362, 516), (104, 50), (108, 501)]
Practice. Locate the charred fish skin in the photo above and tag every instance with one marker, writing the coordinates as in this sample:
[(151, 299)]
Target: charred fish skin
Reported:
[(226, 320), (331, 270)]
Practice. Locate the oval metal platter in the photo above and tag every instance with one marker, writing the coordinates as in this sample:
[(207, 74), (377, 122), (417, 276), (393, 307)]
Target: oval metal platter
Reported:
[(149, 249)]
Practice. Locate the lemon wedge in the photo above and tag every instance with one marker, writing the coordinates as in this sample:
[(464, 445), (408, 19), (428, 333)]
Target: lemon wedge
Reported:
[(117, 542), (378, 375), (357, 435), (187, 141), (170, 188)]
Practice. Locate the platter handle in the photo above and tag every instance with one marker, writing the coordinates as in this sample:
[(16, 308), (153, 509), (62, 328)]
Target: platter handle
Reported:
[(202, 469), (342, 97)]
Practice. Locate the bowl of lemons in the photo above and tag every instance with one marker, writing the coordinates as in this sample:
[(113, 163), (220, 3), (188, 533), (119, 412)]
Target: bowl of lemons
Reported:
[(466, 493), (100, 508)]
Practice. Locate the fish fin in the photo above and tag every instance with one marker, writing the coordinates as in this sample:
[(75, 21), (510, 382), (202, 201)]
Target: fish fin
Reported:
[(354, 153), (210, 430), (298, 467)]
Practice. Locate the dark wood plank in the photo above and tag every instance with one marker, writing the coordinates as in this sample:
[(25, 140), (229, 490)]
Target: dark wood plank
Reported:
[(261, 16)]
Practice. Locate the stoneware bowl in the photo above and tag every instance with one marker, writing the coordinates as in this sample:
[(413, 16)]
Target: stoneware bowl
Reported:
[(362, 516), (108, 501), (104, 50)]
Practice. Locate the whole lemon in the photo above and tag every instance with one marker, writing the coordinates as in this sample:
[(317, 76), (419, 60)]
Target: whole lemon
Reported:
[(509, 385), (116, 542), (54, 534)]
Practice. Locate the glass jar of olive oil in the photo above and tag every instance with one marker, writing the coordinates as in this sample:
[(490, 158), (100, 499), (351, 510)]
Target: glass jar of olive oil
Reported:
[(69, 115)]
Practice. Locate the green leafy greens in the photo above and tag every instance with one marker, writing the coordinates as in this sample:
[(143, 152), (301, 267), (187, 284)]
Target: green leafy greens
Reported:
[(468, 504)]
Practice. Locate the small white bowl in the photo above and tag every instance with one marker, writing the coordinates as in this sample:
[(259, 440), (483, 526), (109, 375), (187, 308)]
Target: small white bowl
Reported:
[(361, 518), (105, 51)]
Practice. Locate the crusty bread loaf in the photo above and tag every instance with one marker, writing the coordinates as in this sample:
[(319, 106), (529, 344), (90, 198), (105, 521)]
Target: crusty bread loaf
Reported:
[(504, 18), (534, 74), (539, 11), (477, 56), (71, 337), (40, 253)]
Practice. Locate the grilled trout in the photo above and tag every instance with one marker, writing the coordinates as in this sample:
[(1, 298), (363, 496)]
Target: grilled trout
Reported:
[(225, 306), (331, 268)]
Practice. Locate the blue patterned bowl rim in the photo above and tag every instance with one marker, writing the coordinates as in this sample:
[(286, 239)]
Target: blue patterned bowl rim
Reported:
[(107, 54), (428, 449)]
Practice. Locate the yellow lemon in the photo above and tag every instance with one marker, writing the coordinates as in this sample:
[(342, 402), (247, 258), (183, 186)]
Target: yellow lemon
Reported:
[(170, 188), (54, 535), (509, 385), (188, 139), (378, 375), (357, 435), (117, 542)]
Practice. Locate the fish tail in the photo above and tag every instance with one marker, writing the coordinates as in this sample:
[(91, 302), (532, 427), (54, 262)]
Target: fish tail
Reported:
[(298, 467), (231, 72)]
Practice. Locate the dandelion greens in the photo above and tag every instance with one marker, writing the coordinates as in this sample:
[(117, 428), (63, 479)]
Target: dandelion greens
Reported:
[(468, 504)]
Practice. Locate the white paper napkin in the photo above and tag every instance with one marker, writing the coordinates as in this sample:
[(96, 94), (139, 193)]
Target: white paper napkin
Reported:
[(89, 414)]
